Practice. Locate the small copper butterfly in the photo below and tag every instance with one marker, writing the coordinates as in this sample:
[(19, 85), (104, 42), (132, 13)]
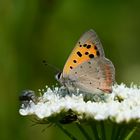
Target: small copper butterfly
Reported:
[(87, 69)]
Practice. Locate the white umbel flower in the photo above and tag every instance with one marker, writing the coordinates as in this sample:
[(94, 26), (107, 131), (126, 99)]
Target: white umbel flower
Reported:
[(122, 105)]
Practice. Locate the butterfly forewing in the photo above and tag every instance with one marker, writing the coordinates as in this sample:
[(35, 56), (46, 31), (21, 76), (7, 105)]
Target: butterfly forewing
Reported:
[(88, 47)]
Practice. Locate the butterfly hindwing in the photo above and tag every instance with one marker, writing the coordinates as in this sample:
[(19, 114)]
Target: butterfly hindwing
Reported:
[(94, 74)]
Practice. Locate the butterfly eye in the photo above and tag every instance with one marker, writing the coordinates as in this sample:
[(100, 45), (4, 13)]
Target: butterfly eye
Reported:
[(58, 76)]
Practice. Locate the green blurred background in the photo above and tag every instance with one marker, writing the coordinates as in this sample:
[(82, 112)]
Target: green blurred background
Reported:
[(33, 30)]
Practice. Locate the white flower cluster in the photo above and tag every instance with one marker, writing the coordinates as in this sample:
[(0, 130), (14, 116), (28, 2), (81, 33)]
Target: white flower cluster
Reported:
[(122, 105)]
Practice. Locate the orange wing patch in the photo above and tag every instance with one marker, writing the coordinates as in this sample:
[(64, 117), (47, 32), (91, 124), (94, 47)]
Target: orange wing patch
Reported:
[(80, 54)]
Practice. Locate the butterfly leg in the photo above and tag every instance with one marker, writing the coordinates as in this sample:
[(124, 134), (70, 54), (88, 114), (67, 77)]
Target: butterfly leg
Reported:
[(64, 90)]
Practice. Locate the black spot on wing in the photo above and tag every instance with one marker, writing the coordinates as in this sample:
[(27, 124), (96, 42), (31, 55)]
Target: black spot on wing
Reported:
[(85, 45), (88, 46), (79, 54), (86, 53), (74, 61), (91, 55), (98, 54), (95, 47)]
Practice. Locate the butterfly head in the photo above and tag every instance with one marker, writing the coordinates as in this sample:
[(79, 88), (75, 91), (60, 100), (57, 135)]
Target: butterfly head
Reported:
[(64, 81)]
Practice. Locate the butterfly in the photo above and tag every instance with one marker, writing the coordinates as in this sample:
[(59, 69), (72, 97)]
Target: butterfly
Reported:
[(87, 68)]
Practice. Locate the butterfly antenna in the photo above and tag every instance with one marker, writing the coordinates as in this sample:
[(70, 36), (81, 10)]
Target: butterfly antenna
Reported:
[(50, 65)]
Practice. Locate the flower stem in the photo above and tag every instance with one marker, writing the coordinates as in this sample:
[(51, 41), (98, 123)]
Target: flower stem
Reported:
[(66, 132), (118, 132), (114, 128), (103, 133), (83, 132), (123, 132), (95, 131), (130, 133)]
